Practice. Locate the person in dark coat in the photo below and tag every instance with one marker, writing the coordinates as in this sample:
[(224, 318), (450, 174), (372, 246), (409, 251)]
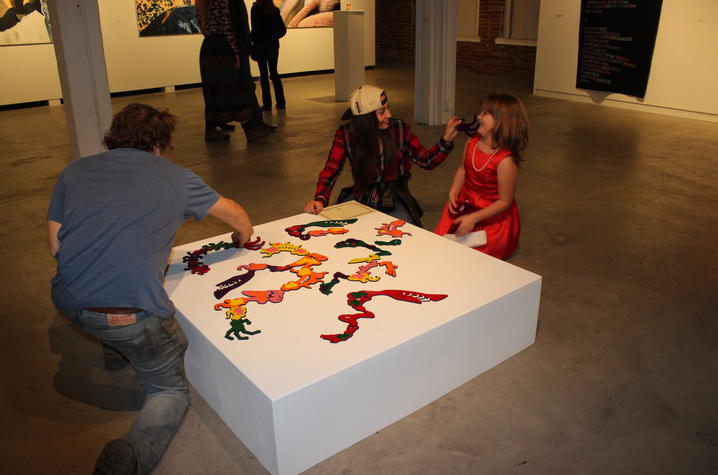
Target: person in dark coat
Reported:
[(267, 28), (227, 84)]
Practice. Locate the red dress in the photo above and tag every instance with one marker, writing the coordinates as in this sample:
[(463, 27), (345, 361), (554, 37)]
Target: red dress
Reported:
[(481, 188)]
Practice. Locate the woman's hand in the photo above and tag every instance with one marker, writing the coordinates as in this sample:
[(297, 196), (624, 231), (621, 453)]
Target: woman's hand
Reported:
[(314, 207), (450, 132)]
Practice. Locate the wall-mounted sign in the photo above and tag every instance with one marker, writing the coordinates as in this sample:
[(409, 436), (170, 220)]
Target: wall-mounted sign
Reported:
[(615, 46)]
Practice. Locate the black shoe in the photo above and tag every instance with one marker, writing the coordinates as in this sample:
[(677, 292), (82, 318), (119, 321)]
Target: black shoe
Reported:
[(256, 133), (267, 108), (227, 126), (117, 458), (213, 135), (281, 106), (264, 125)]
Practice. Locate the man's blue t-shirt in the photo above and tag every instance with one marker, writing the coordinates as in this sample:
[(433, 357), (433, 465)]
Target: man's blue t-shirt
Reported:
[(120, 211)]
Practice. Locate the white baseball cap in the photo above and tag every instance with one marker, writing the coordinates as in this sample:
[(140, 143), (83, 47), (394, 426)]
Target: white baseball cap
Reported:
[(363, 100)]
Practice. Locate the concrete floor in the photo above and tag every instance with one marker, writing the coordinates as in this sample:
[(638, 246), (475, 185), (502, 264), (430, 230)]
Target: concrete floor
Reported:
[(620, 217)]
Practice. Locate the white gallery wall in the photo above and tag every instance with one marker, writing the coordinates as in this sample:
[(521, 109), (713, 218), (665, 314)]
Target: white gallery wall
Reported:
[(30, 71), (684, 74)]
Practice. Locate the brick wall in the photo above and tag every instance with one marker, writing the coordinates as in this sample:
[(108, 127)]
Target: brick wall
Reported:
[(395, 35), (395, 29)]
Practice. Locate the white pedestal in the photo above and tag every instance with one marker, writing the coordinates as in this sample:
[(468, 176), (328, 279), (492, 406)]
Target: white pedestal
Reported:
[(295, 399), (348, 52)]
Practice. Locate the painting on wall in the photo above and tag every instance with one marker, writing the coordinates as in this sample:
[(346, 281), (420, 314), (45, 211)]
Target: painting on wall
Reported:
[(24, 22), (179, 17), (307, 13), (166, 17)]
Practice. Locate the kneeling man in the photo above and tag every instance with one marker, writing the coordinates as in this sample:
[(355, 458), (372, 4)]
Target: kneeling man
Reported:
[(111, 224)]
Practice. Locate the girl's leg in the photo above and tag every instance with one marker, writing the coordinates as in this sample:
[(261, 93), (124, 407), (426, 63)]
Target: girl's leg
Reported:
[(264, 82), (277, 83)]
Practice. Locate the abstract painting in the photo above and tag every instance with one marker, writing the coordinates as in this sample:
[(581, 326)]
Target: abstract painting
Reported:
[(166, 17), (307, 13), (24, 22)]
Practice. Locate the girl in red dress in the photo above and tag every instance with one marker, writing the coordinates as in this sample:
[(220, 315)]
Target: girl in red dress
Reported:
[(481, 196)]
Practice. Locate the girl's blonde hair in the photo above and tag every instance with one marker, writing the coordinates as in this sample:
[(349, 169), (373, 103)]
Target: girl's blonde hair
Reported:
[(511, 129)]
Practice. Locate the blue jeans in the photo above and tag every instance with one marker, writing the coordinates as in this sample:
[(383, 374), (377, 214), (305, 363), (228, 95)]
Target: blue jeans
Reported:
[(155, 347)]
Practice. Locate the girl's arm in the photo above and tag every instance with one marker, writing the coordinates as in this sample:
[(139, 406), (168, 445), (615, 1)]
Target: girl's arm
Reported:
[(430, 159), (456, 184), (508, 174), (329, 174)]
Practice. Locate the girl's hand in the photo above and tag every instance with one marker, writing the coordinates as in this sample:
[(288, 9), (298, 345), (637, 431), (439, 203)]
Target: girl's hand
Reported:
[(314, 207), (454, 205), (465, 224), (450, 132)]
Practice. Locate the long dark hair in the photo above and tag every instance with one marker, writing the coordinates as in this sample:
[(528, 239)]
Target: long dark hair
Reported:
[(511, 129), (267, 5), (364, 138)]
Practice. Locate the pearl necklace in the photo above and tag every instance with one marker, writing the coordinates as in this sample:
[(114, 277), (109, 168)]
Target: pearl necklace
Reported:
[(487, 161)]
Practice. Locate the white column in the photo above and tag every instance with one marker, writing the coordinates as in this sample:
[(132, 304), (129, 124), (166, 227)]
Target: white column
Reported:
[(435, 63), (348, 52), (77, 37)]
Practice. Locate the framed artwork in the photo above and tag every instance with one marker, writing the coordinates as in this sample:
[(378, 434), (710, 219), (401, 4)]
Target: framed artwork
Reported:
[(24, 22), (179, 17), (166, 17), (307, 13)]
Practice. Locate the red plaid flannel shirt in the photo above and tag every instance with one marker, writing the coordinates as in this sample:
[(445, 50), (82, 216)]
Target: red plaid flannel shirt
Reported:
[(407, 146)]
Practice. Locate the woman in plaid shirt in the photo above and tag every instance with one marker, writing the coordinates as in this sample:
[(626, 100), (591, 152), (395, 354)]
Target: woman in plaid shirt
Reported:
[(380, 150)]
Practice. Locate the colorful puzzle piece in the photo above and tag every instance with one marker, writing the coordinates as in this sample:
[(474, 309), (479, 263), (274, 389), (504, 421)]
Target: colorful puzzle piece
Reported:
[(392, 229), (356, 300), (298, 230), (194, 258)]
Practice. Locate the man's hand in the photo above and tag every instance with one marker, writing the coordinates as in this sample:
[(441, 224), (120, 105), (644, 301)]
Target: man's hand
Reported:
[(233, 214)]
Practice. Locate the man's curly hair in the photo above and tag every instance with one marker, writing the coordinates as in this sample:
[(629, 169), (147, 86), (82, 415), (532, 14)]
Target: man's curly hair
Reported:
[(141, 127)]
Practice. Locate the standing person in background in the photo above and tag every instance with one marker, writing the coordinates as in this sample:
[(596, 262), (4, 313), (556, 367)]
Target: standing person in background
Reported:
[(381, 150), (481, 196), (267, 28), (227, 84), (111, 224)]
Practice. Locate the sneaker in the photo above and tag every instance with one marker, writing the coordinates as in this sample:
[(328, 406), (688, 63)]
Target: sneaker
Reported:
[(213, 135), (256, 133), (117, 458)]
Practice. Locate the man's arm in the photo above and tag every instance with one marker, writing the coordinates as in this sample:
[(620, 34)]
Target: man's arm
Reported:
[(233, 214), (53, 243)]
